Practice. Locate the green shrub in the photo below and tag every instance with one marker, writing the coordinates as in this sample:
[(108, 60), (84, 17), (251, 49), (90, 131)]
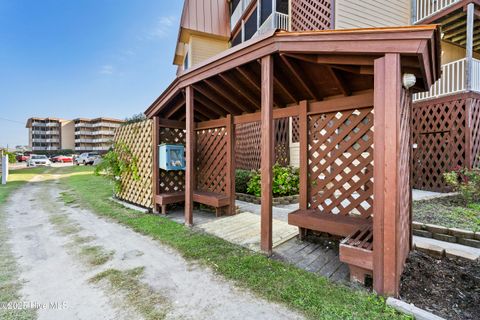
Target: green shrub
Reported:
[(285, 182), (466, 181), (117, 164), (242, 178)]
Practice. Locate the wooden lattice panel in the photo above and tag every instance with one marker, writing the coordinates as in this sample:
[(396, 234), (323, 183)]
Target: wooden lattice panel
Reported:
[(138, 138), (211, 160), (308, 15), (439, 131), (404, 184), (248, 139), (475, 132), (171, 181), (295, 129), (340, 153)]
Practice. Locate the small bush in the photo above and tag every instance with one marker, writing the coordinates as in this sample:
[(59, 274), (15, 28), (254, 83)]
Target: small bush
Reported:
[(285, 182), (242, 178), (466, 181)]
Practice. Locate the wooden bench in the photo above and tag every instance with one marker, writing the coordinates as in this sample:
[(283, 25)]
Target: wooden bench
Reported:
[(313, 219), (164, 199), (356, 250), (216, 200)]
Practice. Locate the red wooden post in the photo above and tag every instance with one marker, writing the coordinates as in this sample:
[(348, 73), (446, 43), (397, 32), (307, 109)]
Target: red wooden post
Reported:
[(190, 151), (303, 155), (267, 154), (386, 155), (231, 164), (155, 168)]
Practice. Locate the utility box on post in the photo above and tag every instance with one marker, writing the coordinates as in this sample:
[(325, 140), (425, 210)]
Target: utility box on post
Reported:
[(171, 157)]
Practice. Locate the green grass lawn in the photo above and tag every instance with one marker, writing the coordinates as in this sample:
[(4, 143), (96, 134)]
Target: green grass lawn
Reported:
[(315, 296), (449, 212)]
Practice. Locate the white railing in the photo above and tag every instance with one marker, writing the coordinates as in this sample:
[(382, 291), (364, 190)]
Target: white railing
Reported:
[(238, 12), (476, 75), (38, 124), (427, 8), (276, 20), (53, 124), (83, 124), (85, 133), (453, 80), (84, 140)]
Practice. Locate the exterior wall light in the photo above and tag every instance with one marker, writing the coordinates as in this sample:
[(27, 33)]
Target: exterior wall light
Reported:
[(409, 80)]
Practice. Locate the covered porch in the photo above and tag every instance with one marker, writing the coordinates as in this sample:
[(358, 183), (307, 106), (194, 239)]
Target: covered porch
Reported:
[(351, 91)]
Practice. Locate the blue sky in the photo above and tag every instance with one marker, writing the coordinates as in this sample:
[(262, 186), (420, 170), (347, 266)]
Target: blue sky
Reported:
[(82, 58)]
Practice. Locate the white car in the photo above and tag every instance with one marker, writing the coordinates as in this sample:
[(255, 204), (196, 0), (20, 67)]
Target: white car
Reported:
[(87, 158), (38, 160)]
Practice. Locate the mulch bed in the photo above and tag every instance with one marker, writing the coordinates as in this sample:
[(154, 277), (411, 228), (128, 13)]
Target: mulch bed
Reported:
[(448, 288)]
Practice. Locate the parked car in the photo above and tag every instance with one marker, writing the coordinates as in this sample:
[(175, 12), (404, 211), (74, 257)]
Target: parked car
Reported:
[(21, 157), (87, 158), (38, 160), (62, 159)]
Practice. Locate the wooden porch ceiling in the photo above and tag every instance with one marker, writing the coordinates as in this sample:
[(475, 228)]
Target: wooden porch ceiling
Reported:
[(307, 66), (454, 28)]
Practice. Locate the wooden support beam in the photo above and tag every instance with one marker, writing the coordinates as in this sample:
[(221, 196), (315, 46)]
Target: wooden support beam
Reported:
[(386, 189), (155, 164), (284, 89), (174, 124), (230, 128), (339, 81), (174, 110), (210, 124), (248, 78), (243, 93), (190, 153), (267, 153), (277, 114), (223, 104), (227, 95), (210, 105), (298, 77), (303, 154)]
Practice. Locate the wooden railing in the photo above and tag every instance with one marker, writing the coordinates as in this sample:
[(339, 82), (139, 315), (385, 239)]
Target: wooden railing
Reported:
[(427, 8), (276, 20)]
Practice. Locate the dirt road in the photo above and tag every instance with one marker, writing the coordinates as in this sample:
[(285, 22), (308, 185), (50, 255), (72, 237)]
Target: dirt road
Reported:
[(79, 266)]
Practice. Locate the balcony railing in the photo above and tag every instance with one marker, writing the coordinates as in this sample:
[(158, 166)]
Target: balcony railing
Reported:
[(453, 80), (276, 20), (238, 12), (427, 8)]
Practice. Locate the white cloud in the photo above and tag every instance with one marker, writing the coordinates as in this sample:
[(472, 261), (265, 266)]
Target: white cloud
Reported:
[(162, 27), (106, 69)]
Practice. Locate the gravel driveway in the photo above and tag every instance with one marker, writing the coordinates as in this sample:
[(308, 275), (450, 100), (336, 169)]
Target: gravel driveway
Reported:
[(96, 269)]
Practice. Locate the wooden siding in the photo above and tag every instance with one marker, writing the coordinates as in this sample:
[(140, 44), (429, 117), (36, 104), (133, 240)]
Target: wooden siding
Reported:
[(206, 16), (203, 48), (451, 52), (371, 13)]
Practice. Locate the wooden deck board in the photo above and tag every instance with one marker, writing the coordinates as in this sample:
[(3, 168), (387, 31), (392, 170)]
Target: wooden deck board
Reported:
[(244, 229)]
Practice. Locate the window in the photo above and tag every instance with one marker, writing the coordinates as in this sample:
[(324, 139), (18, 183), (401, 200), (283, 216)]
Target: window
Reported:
[(267, 9), (250, 27), (186, 62), (237, 39)]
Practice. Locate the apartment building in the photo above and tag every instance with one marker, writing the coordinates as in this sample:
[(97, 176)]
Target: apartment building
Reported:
[(95, 134), (51, 134)]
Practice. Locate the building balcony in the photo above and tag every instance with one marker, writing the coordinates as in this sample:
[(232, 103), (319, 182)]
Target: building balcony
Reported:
[(38, 124), (85, 133), (275, 21), (427, 8), (238, 12), (53, 124), (84, 140), (453, 80), (83, 125)]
